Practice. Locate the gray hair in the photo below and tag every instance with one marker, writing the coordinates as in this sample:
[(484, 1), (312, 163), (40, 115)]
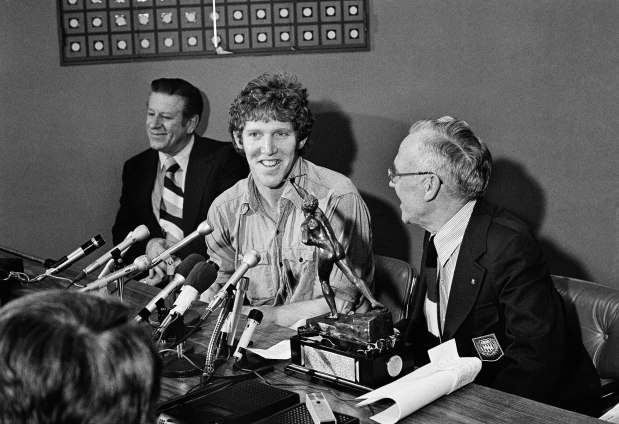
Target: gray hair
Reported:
[(456, 155)]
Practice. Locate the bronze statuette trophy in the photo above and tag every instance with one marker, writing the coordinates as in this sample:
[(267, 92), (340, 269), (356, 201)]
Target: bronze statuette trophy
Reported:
[(360, 351)]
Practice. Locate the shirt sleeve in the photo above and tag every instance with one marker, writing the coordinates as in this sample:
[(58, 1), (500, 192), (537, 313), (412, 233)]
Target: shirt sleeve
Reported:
[(220, 247), (350, 219)]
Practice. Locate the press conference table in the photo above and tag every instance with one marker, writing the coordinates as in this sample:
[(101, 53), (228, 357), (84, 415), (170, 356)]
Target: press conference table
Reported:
[(470, 404)]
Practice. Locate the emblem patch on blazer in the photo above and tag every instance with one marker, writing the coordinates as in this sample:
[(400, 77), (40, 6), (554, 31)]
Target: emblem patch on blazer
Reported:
[(488, 348)]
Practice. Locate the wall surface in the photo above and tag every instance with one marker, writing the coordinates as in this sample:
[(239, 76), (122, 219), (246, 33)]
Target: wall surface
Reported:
[(537, 80)]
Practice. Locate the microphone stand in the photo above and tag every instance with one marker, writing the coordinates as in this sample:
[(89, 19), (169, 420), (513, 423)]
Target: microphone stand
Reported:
[(182, 362), (209, 365), (118, 264)]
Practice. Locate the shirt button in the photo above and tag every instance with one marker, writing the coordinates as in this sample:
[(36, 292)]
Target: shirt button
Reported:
[(281, 264)]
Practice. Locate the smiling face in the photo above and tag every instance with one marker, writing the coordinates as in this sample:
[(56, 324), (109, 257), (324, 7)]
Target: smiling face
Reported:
[(271, 149), (167, 131)]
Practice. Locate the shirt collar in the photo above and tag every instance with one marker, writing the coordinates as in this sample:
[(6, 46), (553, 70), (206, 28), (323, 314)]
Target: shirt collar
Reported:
[(182, 157), (450, 236)]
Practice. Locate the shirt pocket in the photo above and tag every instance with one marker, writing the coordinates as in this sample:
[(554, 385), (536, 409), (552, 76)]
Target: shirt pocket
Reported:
[(299, 273), (300, 260), (262, 288)]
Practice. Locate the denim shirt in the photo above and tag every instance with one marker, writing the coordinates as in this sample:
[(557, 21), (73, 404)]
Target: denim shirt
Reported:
[(286, 272)]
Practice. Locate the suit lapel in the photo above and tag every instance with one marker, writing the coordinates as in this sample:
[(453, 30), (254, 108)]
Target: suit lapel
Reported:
[(144, 185), (198, 173), (469, 274)]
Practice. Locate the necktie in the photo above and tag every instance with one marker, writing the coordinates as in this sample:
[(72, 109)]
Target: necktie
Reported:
[(171, 210), (430, 273)]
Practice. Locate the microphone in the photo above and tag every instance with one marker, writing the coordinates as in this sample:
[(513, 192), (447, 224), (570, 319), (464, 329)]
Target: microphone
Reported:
[(140, 264), (189, 265), (203, 229), (204, 278), (250, 260), (236, 309), (139, 234), (85, 249), (253, 319)]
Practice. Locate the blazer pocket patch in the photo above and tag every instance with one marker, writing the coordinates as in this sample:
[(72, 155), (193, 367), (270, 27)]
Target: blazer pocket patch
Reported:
[(488, 348)]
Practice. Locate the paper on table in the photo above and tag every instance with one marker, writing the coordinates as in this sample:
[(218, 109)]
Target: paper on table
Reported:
[(447, 372), (280, 350), (612, 416)]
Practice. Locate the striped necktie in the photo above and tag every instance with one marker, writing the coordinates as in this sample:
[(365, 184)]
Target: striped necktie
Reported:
[(171, 210)]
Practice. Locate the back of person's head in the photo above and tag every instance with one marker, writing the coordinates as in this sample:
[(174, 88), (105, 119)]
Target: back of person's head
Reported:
[(179, 87), (456, 155), (70, 357), (273, 97)]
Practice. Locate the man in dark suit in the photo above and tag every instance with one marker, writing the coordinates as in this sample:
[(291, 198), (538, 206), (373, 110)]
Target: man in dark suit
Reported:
[(484, 281), (205, 169)]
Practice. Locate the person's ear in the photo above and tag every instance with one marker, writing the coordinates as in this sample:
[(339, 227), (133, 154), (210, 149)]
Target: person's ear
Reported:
[(432, 185), (238, 140), (193, 124), (301, 143)]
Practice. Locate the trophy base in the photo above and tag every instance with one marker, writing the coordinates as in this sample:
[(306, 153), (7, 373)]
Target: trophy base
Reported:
[(364, 328), (358, 351), (358, 370)]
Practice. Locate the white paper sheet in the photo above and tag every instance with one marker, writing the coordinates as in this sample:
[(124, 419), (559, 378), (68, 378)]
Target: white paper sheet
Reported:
[(612, 416), (280, 350), (447, 372)]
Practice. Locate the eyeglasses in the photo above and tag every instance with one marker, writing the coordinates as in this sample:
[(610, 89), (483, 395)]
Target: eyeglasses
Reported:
[(394, 176)]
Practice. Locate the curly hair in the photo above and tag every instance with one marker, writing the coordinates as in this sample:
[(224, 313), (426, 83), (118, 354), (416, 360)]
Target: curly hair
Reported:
[(279, 97), (457, 155)]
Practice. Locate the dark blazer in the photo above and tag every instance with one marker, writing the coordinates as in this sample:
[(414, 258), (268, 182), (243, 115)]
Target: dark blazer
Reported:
[(213, 167), (501, 286)]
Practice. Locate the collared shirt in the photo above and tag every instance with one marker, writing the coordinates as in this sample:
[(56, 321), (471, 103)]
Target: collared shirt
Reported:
[(286, 272), (182, 158), (447, 241)]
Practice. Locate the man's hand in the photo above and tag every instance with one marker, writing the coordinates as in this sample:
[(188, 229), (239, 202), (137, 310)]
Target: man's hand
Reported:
[(157, 274)]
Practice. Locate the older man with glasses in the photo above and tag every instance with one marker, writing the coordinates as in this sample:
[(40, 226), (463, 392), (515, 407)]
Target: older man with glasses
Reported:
[(484, 280)]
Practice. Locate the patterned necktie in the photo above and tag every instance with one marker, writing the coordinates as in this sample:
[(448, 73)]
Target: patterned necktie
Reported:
[(171, 210)]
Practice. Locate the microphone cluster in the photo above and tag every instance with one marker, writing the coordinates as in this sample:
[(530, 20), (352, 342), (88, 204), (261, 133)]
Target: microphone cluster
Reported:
[(199, 280), (143, 263), (194, 274), (201, 277)]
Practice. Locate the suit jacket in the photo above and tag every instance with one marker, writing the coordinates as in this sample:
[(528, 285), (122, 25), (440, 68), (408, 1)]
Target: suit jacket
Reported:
[(213, 167), (501, 286)]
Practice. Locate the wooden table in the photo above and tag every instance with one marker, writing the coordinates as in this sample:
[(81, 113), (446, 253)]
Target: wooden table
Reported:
[(470, 404)]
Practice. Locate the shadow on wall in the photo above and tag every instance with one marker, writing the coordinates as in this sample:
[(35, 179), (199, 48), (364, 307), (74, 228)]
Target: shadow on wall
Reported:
[(391, 237), (512, 187), (206, 113), (335, 148)]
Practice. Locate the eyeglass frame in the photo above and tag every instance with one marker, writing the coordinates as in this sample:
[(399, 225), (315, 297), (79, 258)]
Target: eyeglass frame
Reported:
[(395, 176)]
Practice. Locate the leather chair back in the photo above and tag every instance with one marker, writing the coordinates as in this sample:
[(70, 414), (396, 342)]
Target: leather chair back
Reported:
[(597, 310), (393, 284)]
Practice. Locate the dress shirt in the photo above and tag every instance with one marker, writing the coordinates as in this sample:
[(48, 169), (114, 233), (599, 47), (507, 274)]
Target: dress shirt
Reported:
[(182, 158), (447, 241), (286, 272)]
